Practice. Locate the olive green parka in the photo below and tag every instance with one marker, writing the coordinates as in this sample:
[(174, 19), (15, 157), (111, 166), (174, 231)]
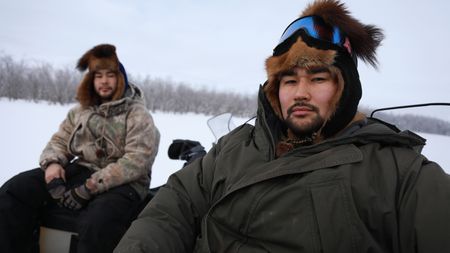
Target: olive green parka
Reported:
[(366, 190)]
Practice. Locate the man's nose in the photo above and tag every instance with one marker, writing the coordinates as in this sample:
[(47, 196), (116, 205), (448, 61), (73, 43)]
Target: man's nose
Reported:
[(103, 79), (302, 90)]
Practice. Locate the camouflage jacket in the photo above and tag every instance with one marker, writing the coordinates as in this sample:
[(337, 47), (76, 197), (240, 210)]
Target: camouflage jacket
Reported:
[(117, 140)]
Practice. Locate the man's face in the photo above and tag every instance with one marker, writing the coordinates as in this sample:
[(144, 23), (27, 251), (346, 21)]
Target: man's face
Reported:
[(105, 83), (305, 99)]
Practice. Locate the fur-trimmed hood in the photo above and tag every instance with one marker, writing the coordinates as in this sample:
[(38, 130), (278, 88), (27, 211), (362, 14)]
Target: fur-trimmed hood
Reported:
[(102, 56), (302, 50)]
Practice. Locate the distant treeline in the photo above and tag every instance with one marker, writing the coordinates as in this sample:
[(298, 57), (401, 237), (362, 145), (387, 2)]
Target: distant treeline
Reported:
[(167, 96), (412, 122), (41, 81)]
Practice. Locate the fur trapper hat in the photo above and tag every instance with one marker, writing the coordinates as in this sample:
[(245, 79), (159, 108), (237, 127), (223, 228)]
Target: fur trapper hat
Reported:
[(102, 56), (302, 50)]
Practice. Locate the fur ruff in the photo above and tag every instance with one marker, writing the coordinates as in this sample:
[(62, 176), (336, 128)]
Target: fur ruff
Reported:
[(300, 55), (363, 40), (99, 57)]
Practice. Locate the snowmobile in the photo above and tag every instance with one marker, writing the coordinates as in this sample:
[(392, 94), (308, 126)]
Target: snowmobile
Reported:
[(56, 234), (57, 231)]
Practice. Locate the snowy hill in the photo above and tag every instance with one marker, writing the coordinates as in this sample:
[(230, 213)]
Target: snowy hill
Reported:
[(26, 127)]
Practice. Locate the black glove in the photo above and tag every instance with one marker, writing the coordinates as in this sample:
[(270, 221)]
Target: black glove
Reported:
[(56, 189), (76, 198)]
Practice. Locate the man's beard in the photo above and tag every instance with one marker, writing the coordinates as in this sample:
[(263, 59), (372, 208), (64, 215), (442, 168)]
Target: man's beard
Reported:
[(304, 129)]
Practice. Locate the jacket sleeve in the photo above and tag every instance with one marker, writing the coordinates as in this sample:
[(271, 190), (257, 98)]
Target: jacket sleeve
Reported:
[(171, 221), (424, 208), (56, 150), (141, 147)]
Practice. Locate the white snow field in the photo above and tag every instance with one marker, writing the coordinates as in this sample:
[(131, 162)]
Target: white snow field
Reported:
[(26, 127)]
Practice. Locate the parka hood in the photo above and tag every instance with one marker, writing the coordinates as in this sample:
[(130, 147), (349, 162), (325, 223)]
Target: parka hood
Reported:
[(102, 56), (300, 47)]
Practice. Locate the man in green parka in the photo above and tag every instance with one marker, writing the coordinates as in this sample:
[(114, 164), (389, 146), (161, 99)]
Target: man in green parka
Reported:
[(313, 174)]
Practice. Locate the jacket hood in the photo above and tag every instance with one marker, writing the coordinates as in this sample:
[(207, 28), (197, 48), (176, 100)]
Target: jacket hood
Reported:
[(102, 56), (301, 49)]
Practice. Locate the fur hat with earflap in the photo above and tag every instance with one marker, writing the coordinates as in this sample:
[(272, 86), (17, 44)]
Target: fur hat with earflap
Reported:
[(102, 56), (325, 35)]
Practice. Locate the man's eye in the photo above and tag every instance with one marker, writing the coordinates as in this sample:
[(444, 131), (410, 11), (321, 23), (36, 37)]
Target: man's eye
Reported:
[(318, 79), (289, 81)]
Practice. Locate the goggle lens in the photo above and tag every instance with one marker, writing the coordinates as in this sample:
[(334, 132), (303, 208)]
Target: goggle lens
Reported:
[(316, 28)]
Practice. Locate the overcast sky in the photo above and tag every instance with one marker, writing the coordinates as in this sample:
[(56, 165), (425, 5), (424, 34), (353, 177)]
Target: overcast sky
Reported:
[(222, 45)]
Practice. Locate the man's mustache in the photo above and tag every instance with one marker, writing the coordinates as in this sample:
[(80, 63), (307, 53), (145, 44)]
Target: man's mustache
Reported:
[(302, 104)]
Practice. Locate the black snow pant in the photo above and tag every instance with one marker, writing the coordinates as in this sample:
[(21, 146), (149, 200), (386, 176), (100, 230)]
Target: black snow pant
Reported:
[(24, 200)]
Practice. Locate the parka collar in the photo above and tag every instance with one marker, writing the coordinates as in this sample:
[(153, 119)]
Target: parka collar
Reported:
[(269, 130)]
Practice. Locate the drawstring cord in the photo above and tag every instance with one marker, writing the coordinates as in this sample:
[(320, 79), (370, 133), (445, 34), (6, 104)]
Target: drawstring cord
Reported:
[(101, 153)]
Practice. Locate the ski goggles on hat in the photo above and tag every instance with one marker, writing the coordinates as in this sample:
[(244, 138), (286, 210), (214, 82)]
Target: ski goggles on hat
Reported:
[(314, 27)]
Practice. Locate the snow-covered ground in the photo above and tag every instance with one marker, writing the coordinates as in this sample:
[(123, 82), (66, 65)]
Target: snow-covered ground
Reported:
[(26, 127)]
